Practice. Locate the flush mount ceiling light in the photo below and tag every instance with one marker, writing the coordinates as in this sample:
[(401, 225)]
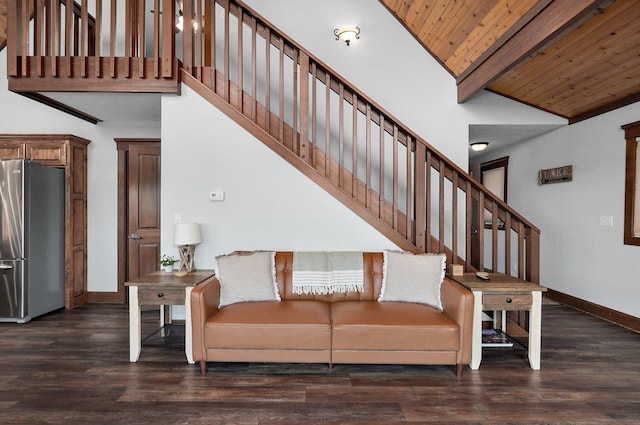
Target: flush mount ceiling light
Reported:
[(479, 146), (347, 34)]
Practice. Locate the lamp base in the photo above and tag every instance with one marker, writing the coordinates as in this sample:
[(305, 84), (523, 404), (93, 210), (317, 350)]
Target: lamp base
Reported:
[(187, 253)]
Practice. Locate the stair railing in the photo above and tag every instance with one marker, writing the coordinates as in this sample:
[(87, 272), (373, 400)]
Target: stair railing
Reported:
[(393, 177)]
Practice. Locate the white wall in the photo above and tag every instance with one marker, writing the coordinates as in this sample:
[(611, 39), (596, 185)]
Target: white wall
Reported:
[(268, 203), (103, 200), (19, 115), (578, 256)]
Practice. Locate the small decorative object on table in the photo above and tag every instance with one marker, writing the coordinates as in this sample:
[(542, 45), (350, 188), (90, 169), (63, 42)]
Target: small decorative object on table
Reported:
[(456, 269), (167, 262), (186, 236)]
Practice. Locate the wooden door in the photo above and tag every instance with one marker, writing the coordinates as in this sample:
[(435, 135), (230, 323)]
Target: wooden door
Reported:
[(493, 175), (139, 209)]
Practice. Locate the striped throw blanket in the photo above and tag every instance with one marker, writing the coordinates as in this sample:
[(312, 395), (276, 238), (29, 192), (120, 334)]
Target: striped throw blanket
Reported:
[(321, 273)]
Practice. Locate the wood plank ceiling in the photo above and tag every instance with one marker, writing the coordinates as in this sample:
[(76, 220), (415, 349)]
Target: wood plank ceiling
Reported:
[(575, 59)]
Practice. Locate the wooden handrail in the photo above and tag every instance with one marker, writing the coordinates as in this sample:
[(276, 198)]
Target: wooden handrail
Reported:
[(382, 168)]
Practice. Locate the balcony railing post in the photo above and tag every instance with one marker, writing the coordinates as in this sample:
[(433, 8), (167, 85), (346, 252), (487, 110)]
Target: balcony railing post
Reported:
[(95, 39), (168, 36), (187, 37), (24, 38), (13, 37), (84, 36)]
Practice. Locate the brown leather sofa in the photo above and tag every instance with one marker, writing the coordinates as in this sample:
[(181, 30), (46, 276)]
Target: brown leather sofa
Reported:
[(337, 328)]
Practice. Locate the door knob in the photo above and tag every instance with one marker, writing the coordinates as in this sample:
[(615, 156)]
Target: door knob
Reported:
[(135, 236)]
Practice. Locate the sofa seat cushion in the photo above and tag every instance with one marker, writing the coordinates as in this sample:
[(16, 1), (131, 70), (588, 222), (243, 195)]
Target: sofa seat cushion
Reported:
[(371, 325), (283, 325)]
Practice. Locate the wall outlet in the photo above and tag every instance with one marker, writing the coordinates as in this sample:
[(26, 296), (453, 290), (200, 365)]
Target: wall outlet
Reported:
[(606, 221), (177, 218), (216, 195)]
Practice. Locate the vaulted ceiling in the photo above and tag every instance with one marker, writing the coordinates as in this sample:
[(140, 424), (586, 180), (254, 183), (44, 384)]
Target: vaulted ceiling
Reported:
[(575, 58)]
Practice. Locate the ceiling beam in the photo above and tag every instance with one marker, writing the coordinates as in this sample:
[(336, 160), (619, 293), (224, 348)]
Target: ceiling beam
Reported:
[(544, 29), (38, 97)]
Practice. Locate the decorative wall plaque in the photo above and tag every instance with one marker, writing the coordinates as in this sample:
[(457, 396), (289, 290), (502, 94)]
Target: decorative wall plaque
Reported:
[(556, 175)]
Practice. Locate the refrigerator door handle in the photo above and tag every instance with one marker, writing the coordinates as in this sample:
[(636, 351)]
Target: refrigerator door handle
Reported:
[(5, 267), (135, 236)]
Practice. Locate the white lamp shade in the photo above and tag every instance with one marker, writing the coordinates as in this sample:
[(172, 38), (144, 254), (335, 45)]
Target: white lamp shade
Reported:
[(186, 234)]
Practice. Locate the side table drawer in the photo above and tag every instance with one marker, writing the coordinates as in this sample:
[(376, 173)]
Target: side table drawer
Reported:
[(160, 296), (507, 301)]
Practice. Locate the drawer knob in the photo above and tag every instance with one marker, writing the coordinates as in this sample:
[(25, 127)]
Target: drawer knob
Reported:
[(160, 295), (508, 300)]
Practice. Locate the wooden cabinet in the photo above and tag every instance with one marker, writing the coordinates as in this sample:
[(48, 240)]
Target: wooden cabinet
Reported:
[(68, 152)]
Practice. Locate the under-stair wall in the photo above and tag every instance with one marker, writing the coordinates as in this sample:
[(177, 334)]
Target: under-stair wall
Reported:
[(268, 203)]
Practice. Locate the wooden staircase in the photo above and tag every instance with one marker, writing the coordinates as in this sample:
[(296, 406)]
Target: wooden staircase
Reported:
[(348, 144), (287, 98)]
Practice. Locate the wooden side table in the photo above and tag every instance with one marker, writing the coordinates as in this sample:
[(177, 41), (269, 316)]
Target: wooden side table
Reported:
[(504, 293), (162, 288)]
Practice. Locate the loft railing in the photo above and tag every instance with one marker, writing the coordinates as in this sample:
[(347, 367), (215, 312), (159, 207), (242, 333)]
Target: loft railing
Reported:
[(398, 182), (72, 45)]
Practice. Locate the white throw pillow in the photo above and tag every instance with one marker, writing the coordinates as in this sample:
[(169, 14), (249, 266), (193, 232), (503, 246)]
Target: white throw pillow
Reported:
[(414, 278), (247, 277)]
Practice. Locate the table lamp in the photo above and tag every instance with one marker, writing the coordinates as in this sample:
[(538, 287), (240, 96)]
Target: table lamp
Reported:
[(186, 236)]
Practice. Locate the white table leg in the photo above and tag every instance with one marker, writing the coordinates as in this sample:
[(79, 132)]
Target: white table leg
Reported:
[(188, 336), (500, 320), (476, 331), (135, 340), (535, 330)]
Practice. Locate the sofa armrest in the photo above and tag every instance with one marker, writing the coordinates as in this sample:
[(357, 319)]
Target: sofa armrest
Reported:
[(457, 303), (205, 299)]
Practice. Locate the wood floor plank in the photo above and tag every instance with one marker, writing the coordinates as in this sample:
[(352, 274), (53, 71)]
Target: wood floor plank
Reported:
[(72, 367)]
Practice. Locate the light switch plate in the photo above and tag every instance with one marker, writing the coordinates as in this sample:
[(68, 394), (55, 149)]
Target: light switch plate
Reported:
[(216, 195), (606, 221)]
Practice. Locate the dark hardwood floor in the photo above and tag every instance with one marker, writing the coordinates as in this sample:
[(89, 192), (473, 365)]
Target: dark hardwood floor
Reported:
[(72, 367)]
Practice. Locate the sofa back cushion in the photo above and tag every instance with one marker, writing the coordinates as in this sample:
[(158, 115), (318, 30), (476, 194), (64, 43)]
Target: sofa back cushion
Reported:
[(246, 277), (372, 263), (413, 278)]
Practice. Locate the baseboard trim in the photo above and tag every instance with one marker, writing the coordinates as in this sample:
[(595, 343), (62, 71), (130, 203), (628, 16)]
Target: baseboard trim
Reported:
[(605, 313), (105, 298)]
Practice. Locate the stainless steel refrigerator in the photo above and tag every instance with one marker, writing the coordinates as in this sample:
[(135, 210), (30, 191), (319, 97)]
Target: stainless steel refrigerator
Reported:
[(31, 240)]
